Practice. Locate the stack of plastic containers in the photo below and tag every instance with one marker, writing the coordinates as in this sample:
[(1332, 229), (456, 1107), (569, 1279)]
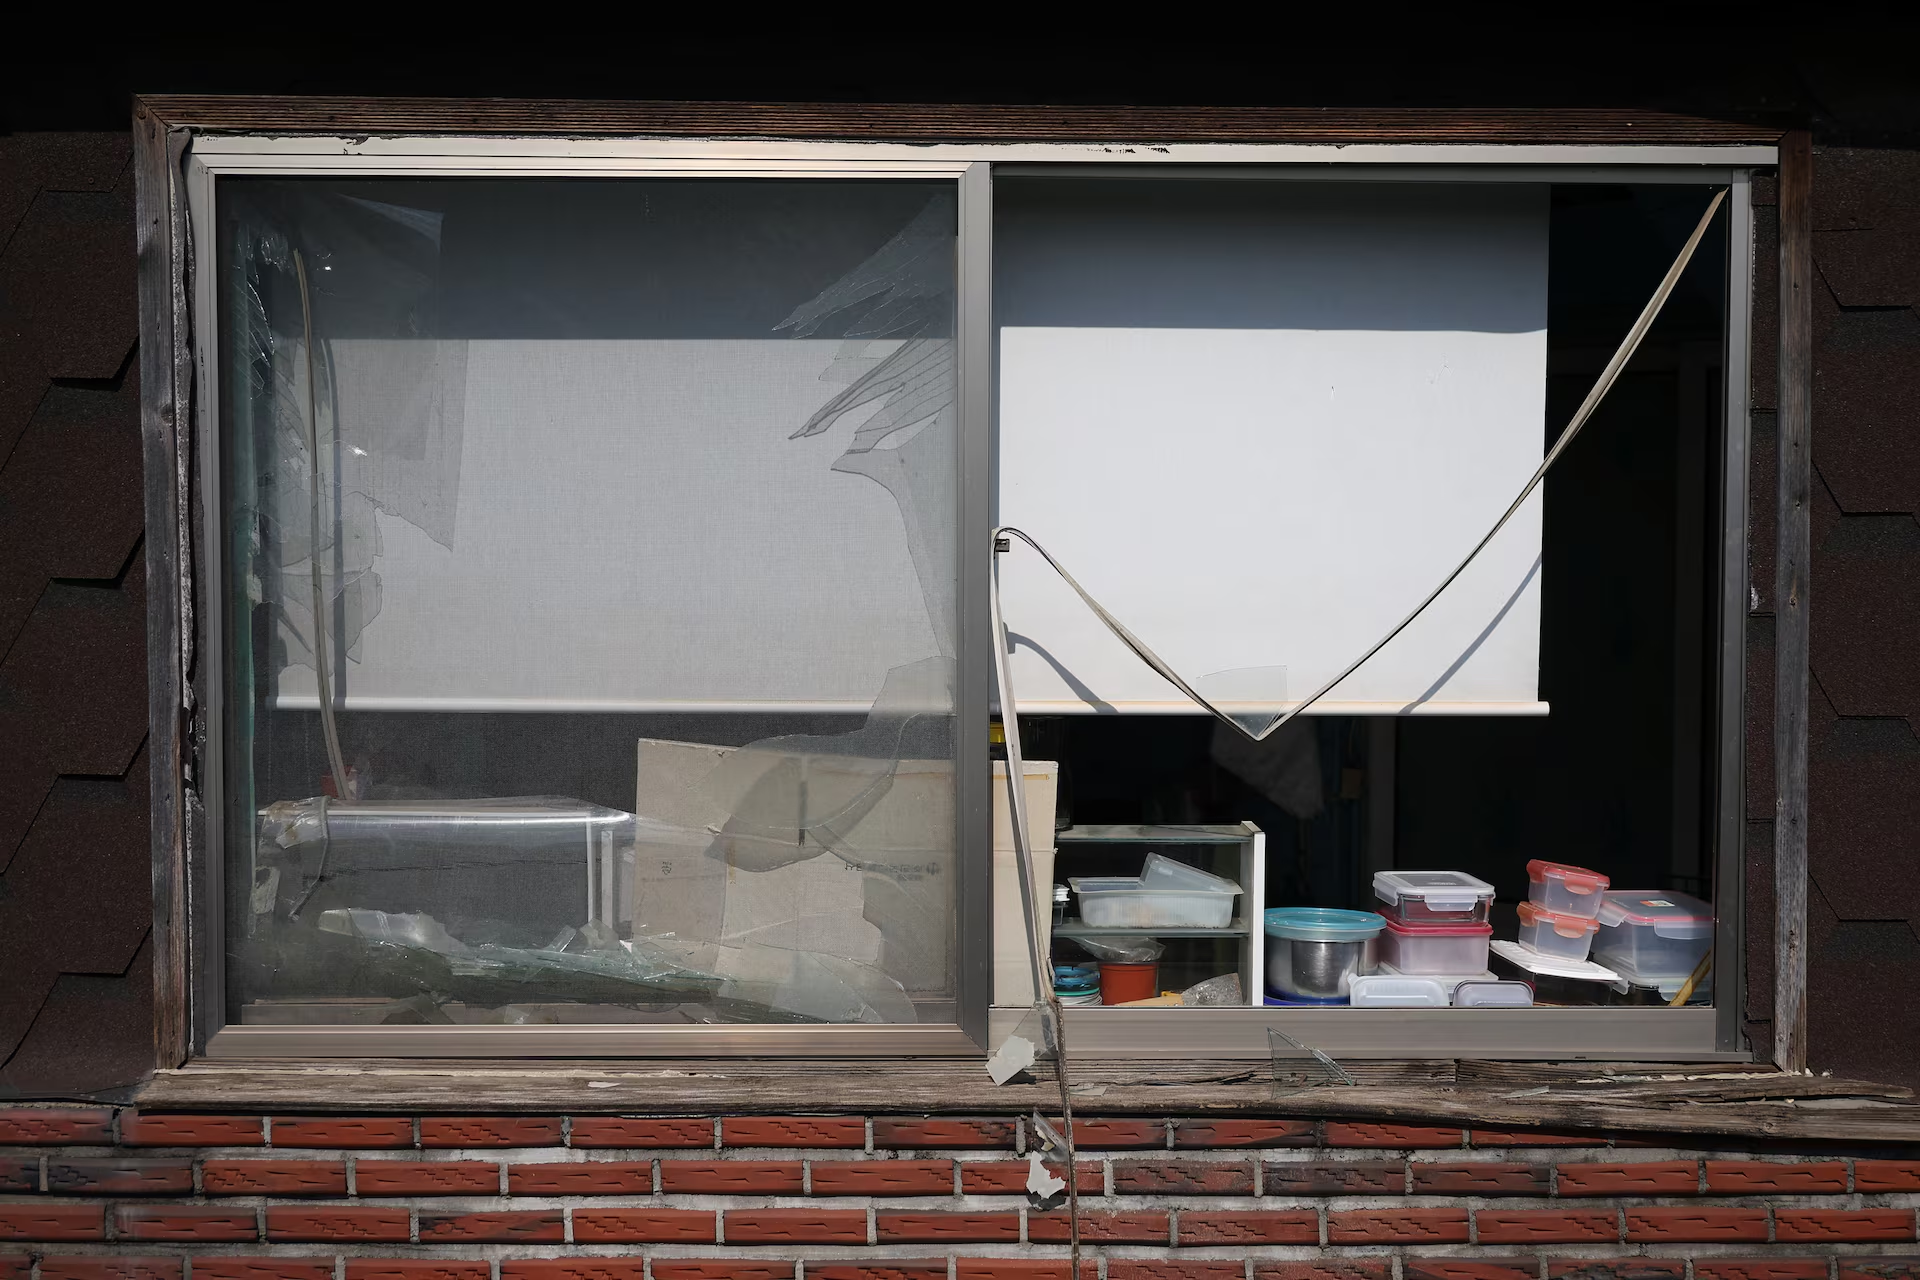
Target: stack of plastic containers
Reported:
[(1562, 910), (1436, 922), (1653, 940), (1166, 894)]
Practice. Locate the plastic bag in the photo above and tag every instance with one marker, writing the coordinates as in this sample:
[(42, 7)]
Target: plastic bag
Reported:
[(1127, 950), (1214, 992)]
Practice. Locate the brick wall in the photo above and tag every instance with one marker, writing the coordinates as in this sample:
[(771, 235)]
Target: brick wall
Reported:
[(86, 1192)]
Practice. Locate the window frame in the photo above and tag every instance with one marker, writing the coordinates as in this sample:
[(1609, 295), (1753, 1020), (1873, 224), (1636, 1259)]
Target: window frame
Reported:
[(178, 167)]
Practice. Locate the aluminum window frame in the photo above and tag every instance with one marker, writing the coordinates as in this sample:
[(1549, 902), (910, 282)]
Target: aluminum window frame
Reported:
[(1692, 1034)]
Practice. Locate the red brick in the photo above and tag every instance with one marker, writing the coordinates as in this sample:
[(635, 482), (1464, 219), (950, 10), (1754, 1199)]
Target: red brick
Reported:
[(795, 1226), (338, 1222), (1397, 1226), (1701, 1225), (19, 1267), (1629, 1268), (882, 1177), (793, 1131), (1248, 1226), (1546, 1226), (109, 1177), (1532, 1138), (55, 1126), (19, 1173), (574, 1269), (1104, 1135), (334, 1132), (715, 1269), (1765, 1177), (185, 1222), (1882, 1267), (426, 1178), (1325, 1269), (1182, 1178), (138, 1130), (1643, 1178), (263, 1269), (629, 1131), (1009, 1177), (886, 1269), (733, 1177), (274, 1177), (545, 1226), (1479, 1179), (1471, 1268), (1842, 1224), (1243, 1133), (53, 1222), (1340, 1134), (582, 1178), (490, 1131), (927, 1133), (645, 1226), (415, 1269), (970, 1228), (1886, 1175), (1335, 1178), (1760, 1268), (1021, 1269), (1102, 1228), (66, 1266), (1153, 1269)]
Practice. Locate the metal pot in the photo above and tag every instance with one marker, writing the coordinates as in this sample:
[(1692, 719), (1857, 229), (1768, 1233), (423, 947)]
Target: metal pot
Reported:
[(1315, 953)]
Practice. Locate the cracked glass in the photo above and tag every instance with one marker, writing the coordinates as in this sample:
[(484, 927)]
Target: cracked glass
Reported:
[(590, 600)]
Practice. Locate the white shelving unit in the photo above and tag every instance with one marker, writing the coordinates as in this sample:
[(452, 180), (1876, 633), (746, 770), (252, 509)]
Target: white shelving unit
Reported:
[(1239, 852)]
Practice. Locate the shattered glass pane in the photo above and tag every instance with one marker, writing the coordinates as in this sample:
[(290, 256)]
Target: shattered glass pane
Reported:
[(616, 520)]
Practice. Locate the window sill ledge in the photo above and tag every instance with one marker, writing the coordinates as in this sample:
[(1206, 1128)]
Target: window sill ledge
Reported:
[(1749, 1102)]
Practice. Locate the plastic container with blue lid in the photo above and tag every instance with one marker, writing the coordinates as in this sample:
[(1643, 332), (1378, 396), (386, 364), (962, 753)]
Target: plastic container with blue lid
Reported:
[(1315, 953), (1323, 924)]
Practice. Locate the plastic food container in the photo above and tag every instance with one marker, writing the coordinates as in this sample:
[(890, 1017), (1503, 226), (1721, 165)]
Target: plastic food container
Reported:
[(1432, 897), (1492, 993), (1167, 895), (1653, 934), (1565, 890), (1398, 991), (1561, 937), (1633, 990), (1436, 948), (1314, 953)]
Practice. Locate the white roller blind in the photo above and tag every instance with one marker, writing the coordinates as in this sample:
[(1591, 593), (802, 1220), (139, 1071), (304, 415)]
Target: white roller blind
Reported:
[(1259, 421), (643, 446), (635, 529)]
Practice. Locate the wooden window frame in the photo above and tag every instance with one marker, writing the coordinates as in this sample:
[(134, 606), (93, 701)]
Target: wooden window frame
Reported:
[(166, 128)]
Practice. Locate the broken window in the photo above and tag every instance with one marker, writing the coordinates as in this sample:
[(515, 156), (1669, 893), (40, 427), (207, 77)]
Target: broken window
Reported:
[(590, 567)]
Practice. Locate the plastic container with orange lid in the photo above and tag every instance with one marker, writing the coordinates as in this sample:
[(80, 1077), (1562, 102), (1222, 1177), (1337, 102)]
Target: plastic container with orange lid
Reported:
[(1566, 890), (1551, 933)]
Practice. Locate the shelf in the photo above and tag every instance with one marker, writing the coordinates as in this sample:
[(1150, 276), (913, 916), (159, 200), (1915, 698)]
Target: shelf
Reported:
[(1074, 929), (1127, 834)]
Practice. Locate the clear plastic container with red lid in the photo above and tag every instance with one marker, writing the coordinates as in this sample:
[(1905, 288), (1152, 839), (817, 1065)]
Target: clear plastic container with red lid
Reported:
[(1565, 890), (1654, 932), (1554, 933), (1435, 948)]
